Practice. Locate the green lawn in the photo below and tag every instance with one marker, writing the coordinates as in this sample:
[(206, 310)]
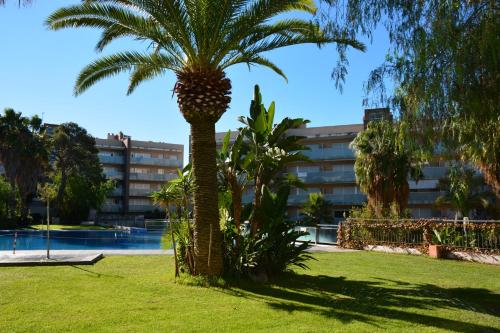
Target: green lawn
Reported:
[(67, 227), (343, 292)]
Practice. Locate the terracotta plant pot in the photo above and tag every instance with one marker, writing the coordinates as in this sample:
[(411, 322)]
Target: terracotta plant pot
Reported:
[(437, 251)]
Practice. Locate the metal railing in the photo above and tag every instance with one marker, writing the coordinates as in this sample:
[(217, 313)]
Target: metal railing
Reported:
[(156, 161), (111, 159), (152, 176), (320, 234)]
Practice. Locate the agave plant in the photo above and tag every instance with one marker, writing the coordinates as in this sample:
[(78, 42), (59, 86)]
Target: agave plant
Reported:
[(198, 41)]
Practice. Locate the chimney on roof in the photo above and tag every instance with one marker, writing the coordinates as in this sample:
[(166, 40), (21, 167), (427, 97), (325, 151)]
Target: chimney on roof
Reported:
[(376, 115)]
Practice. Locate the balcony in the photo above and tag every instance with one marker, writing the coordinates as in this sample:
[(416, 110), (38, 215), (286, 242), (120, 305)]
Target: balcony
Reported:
[(152, 176), (329, 154), (140, 192), (155, 161), (117, 192), (111, 208), (141, 208), (335, 199), (327, 177), (111, 159), (113, 174), (434, 172), (423, 198)]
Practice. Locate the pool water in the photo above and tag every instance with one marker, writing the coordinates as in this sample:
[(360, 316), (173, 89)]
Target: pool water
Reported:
[(135, 238)]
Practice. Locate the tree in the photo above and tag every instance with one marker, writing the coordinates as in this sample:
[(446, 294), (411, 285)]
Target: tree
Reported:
[(198, 41), (75, 153), (271, 147), (444, 63), (464, 191), (316, 210), (81, 194), (23, 153), (6, 195), (385, 156)]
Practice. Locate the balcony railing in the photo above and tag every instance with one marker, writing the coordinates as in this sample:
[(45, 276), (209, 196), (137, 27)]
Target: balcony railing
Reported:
[(117, 192), (111, 159), (155, 161), (140, 192), (327, 177), (329, 154), (141, 208), (152, 176), (111, 208), (416, 198), (434, 172), (423, 197), (112, 174)]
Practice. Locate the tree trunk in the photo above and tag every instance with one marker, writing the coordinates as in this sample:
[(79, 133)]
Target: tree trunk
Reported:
[(206, 210)]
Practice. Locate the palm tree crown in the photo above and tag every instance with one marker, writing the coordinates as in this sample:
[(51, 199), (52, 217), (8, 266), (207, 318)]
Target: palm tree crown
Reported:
[(189, 35)]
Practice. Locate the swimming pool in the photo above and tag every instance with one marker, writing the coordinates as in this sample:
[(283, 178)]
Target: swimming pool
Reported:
[(134, 239)]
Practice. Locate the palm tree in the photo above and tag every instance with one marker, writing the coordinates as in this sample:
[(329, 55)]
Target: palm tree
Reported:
[(198, 41), (23, 153), (464, 191), (385, 156), (316, 210)]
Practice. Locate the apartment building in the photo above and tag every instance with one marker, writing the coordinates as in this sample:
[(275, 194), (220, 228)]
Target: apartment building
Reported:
[(331, 171), (139, 168)]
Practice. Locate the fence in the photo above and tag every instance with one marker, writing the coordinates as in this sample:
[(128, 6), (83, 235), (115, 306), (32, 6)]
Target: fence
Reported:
[(469, 236)]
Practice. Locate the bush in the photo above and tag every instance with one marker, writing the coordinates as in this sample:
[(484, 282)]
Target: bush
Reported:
[(273, 249)]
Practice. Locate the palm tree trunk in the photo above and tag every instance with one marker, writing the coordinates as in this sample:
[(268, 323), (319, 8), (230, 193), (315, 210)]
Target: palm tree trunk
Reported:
[(206, 210)]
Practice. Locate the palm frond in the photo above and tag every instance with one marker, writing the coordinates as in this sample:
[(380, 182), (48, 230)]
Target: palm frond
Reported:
[(145, 66)]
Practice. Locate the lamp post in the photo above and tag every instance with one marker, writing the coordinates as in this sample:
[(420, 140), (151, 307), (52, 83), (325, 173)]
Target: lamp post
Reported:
[(48, 229)]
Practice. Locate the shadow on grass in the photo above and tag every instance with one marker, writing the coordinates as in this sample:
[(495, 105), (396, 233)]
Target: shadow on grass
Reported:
[(370, 301), (95, 274)]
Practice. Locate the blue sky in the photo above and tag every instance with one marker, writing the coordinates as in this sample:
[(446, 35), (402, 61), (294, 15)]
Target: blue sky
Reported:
[(38, 68)]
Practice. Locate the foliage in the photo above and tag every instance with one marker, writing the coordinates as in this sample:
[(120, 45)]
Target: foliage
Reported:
[(316, 210), (239, 32), (178, 193), (392, 213), (81, 195), (74, 152), (23, 153), (7, 194), (444, 62), (465, 191), (463, 236), (385, 155), (270, 147), (274, 249)]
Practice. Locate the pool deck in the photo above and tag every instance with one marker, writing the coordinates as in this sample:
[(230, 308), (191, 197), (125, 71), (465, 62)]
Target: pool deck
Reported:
[(33, 258)]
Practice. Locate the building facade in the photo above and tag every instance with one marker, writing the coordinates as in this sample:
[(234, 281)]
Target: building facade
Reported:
[(331, 171), (139, 168)]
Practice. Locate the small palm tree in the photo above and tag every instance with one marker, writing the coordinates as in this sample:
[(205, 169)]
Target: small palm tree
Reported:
[(316, 210), (464, 191), (198, 41)]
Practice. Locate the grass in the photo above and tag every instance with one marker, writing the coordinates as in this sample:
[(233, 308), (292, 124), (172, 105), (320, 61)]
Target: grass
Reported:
[(342, 292), (67, 227)]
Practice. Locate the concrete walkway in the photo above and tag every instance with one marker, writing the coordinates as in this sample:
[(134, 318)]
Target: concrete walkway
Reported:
[(37, 259), (328, 248), (87, 252)]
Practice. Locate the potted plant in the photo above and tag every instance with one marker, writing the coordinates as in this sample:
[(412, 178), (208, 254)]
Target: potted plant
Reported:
[(437, 248)]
